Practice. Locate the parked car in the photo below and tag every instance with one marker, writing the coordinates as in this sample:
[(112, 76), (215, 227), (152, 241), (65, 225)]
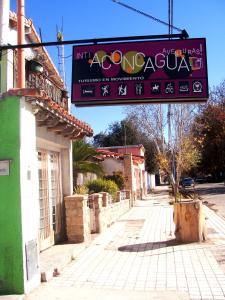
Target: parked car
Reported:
[(188, 181)]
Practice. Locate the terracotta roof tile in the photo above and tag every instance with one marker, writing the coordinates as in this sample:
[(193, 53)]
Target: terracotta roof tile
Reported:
[(40, 95), (107, 153)]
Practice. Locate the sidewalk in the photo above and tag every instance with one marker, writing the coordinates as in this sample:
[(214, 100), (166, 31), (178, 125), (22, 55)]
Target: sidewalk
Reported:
[(138, 258)]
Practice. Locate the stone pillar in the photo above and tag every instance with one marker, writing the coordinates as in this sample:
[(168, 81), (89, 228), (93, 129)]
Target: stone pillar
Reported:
[(128, 193), (118, 196), (189, 219), (128, 196), (77, 218), (129, 176), (144, 177), (96, 200), (105, 197)]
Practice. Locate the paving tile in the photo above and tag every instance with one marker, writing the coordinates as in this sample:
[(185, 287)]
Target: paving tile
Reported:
[(154, 265)]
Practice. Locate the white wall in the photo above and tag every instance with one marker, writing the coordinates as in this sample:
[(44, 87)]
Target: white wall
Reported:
[(32, 138), (152, 181), (67, 171), (51, 141), (84, 178), (4, 21), (142, 152), (29, 183), (111, 165)]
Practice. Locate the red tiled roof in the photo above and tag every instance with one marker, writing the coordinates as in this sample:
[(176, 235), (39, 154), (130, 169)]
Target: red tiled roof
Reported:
[(138, 159), (128, 149), (107, 153)]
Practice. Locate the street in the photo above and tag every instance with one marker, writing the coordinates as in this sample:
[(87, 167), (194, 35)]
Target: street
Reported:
[(213, 195)]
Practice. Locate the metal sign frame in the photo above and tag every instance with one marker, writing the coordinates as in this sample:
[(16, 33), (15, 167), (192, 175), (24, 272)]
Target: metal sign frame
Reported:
[(177, 72)]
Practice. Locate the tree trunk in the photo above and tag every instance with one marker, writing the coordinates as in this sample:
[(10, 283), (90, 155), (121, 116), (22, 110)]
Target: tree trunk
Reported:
[(189, 221), (174, 186), (75, 177)]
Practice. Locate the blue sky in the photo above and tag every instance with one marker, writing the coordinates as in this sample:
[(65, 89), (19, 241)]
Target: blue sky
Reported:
[(84, 19)]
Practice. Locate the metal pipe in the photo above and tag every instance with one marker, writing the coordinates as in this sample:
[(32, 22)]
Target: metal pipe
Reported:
[(182, 35), (20, 40)]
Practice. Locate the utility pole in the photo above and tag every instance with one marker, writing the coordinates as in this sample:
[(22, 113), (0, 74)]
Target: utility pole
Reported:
[(170, 27)]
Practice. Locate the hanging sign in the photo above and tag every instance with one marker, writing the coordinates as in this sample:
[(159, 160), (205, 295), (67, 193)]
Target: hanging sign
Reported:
[(140, 72)]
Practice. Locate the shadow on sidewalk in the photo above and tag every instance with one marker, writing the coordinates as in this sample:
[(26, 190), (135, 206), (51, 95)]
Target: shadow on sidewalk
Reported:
[(150, 246)]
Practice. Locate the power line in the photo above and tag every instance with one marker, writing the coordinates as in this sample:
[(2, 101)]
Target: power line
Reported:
[(147, 15)]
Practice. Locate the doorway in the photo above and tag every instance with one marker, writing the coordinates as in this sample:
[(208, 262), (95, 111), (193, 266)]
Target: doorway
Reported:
[(50, 198)]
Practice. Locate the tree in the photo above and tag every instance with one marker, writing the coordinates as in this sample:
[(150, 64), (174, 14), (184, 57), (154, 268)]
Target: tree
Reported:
[(84, 160), (124, 133), (209, 134), (119, 134), (169, 129)]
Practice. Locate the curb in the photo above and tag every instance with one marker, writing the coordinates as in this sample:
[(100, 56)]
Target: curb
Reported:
[(62, 259), (12, 297)]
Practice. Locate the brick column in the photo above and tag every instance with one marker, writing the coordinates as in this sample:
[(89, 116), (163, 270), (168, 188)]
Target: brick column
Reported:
[(77, 218)]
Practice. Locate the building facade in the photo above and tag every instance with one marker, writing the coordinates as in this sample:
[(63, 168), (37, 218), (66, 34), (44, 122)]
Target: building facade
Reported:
[(130, 161), (36, 133)]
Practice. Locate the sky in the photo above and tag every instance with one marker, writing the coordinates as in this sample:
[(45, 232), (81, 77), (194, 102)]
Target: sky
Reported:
[(87, 19)]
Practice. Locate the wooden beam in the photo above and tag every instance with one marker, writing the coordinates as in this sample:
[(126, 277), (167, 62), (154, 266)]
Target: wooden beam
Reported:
[(71, 132), (49, 122), (60, 127), (78, 136), (42, 115)]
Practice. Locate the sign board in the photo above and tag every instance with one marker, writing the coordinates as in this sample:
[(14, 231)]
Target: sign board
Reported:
[(162, 71), (4, 167)]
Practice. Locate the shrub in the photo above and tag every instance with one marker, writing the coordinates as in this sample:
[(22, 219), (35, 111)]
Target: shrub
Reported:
[(81, 189), (102, 185), (118, 178)]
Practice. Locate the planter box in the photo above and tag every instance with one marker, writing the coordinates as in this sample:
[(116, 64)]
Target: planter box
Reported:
[(189, 221)]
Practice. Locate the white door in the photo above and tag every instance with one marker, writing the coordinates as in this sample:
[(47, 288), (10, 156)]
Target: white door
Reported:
[(50, 197)]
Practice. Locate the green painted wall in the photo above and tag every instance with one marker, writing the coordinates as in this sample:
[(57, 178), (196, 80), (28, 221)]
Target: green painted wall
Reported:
[(11, 254)]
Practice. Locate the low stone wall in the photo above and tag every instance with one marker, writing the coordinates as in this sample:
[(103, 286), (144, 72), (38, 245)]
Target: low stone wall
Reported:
[(93, 214), (109, 214)]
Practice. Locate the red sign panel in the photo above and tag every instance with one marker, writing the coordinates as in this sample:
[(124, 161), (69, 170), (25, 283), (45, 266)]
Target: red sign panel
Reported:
[(140, 72)]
